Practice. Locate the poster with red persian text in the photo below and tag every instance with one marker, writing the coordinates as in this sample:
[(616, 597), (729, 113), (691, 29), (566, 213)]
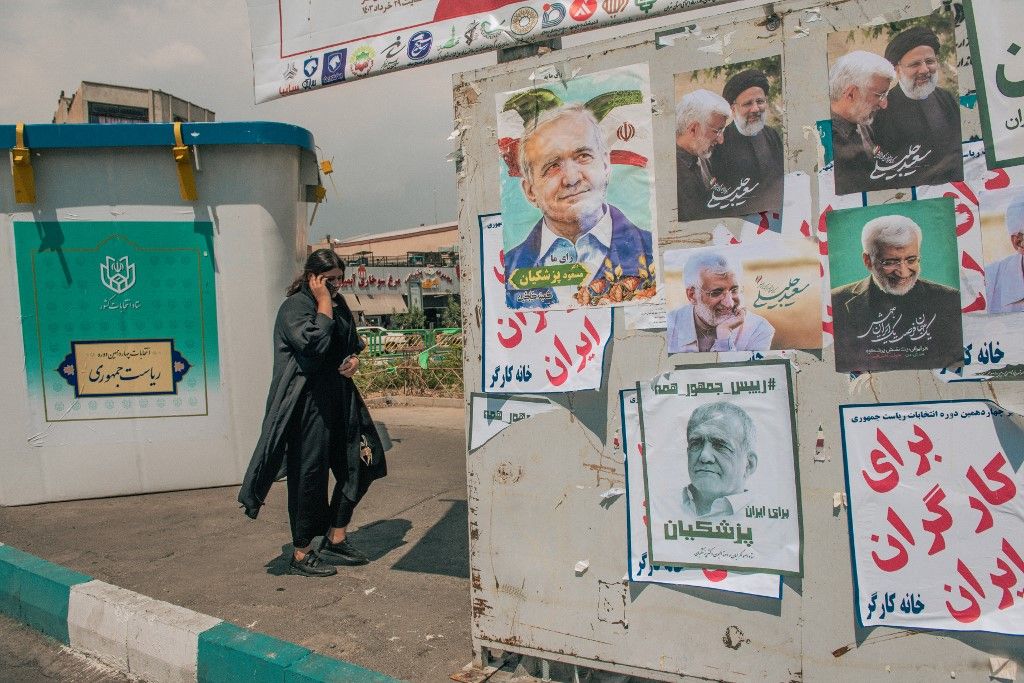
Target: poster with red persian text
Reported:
[(534, 351), (936, 495)]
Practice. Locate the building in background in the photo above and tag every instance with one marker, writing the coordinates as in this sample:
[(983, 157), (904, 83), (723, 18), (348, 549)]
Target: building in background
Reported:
[(105, 103), (393, 272)]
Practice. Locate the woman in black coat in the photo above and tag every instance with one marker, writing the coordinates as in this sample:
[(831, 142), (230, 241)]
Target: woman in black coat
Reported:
[(315, 421)]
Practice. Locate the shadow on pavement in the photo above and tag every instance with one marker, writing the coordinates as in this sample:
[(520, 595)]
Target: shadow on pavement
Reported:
[(376, 539), (279, 565), (379, 538), (444, 549)]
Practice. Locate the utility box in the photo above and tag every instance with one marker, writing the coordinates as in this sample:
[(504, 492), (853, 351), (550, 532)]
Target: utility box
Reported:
[(548, 551), (138, 323)]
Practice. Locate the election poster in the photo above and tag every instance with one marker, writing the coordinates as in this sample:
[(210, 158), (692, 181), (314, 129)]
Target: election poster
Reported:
[(994, 30), (640, 568), (936, 515), (534, 351), (758, 295), (120, 321), (993, 349), (1002, 236), (895, 286), (491, 414), (729, 151), (577, 191), (895, 105), (726, 495), (299, 46)]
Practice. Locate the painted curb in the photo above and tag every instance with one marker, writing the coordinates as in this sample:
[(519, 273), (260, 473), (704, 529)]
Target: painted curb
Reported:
[(36, 592), (150, 639)]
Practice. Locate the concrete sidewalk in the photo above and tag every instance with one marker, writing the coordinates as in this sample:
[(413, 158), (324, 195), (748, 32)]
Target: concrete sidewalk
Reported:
[(406, 614)]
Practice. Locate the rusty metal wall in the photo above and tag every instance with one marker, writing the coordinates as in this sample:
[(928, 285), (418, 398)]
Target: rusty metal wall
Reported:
[(534, 490)]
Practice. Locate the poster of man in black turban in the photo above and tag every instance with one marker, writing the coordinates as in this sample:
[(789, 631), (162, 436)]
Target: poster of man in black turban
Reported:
[(895, 108), (729, 152)]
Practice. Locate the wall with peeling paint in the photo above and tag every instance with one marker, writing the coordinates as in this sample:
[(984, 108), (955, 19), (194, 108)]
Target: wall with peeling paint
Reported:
[(535, 509)]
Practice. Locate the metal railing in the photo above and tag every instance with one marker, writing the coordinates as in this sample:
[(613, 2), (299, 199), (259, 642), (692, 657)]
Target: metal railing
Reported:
[(401, 343)]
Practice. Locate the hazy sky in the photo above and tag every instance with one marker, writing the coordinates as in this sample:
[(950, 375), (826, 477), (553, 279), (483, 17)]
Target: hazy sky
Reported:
[(386, 134)]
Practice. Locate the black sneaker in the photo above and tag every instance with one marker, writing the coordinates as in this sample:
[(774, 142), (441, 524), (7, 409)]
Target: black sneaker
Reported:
[(342, 553), (311, 565)]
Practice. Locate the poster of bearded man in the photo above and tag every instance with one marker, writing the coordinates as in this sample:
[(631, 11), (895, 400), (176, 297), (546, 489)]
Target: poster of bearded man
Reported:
[(729, 149), (895, 108), (577, 191), (895, 286)]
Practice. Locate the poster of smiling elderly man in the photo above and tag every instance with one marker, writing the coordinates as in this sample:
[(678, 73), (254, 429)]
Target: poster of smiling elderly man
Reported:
[(895, 107), (1002, 234), (744, 297), (725, 496), (729, 151), (577, 191), (895, 286)]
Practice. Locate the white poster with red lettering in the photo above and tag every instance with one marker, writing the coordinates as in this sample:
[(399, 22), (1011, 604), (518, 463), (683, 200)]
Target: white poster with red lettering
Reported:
[(535, 351), (936, 493), (640, 568)]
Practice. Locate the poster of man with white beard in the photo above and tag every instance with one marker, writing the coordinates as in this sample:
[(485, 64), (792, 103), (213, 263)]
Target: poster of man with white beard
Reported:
[(895, 110), (895, 286), (729, 149)]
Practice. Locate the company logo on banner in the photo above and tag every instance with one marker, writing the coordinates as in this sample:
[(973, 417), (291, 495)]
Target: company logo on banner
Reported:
[(553, 15), (613, 7), (524, 20), (419, 45), (310, 66), (936, 492), (362, 60), (581, 10), (334, 66), (295, 30)]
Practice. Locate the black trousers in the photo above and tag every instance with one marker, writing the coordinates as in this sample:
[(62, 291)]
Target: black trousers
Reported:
[(315, 448)]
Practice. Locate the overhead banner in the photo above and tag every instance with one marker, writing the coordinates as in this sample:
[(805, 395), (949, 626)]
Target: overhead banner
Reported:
[(720, 467), (119, 320), (937, 515), (999, 77), (534, 351), (641, 569), (299, 46)]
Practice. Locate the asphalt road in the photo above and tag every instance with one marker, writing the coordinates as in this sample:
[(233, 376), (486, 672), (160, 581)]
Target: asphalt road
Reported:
[(406, 614), (27, 656)]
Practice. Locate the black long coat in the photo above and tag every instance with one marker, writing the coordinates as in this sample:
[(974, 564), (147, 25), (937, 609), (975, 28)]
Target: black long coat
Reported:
[(309, 347)]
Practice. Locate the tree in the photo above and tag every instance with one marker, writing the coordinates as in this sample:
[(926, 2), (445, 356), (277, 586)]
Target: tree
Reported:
[(452, 315), (415, 319)]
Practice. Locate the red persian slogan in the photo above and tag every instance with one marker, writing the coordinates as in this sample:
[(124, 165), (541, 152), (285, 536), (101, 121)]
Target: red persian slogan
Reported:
[(935, 503)]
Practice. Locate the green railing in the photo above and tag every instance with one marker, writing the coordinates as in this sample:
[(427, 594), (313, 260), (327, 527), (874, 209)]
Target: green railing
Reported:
[(440, 374), (402, 343)]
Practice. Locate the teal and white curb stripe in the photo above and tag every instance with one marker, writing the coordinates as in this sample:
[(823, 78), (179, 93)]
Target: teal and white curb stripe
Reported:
[(150, 639)]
